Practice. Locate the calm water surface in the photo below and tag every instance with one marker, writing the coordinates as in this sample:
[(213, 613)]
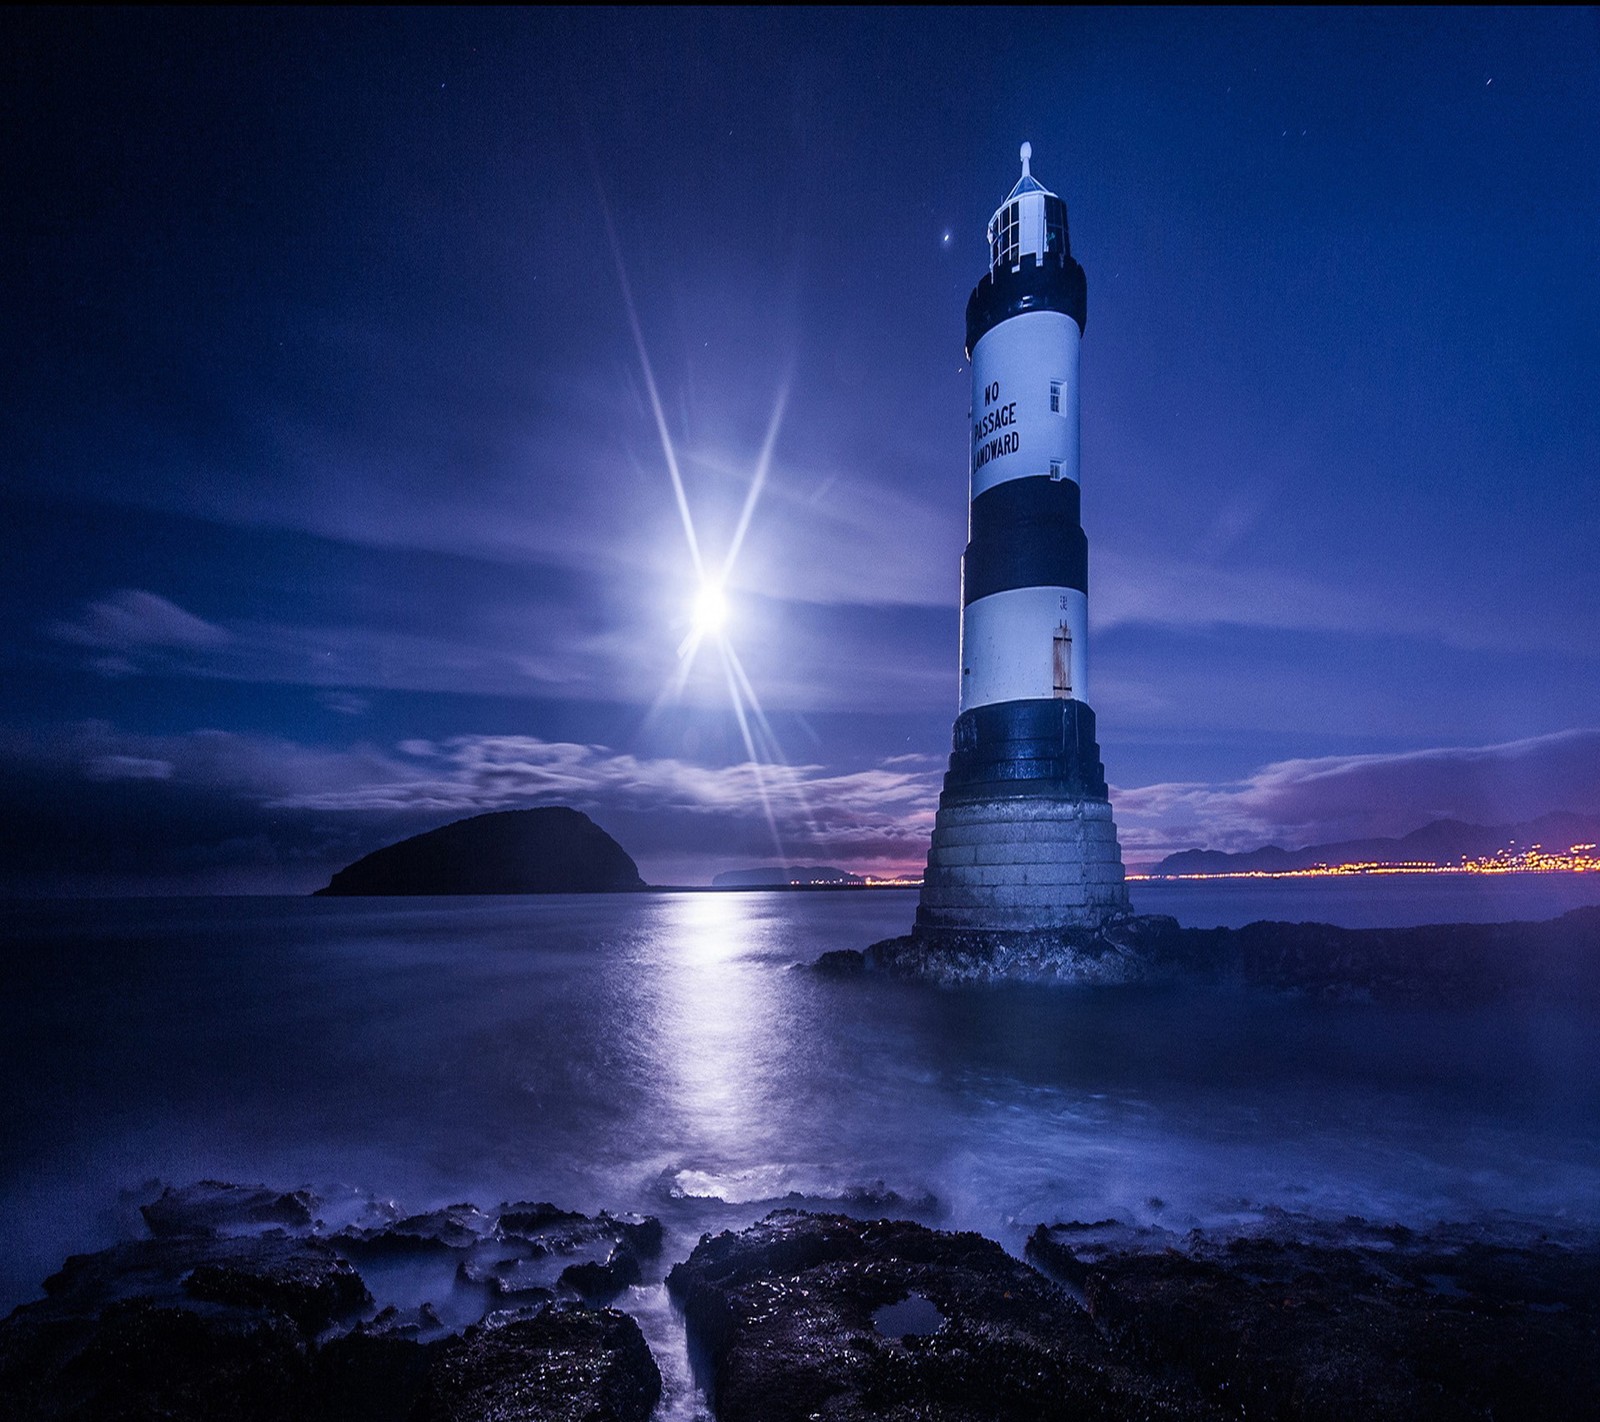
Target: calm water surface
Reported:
[(662, 1053)]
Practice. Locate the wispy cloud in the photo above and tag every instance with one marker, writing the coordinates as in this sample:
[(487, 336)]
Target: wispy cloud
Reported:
[(228, 802), (879, 816), (549, 634), (124, 624), (1157, 589), (1299, 802), (682, 821)]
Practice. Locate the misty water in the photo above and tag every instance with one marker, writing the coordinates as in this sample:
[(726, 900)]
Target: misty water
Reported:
[(664, 1054)]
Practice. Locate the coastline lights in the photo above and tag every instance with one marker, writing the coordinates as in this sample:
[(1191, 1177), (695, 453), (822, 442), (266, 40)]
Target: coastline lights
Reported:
[(1578, 859)]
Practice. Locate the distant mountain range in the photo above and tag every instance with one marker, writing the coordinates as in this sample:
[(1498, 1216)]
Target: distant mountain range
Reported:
[(784, 875), (1444, 842)]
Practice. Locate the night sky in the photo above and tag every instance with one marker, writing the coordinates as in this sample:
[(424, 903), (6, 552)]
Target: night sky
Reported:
[(335, 504)]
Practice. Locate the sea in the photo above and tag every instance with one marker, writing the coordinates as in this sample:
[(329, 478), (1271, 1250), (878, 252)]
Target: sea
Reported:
[(670, 1053)]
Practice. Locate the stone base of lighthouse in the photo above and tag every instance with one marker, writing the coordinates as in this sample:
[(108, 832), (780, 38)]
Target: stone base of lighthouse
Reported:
[(1024, 864), (1024, 842)]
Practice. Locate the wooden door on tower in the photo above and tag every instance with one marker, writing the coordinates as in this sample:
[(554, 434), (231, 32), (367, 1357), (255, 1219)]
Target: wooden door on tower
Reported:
[(1061, 659)]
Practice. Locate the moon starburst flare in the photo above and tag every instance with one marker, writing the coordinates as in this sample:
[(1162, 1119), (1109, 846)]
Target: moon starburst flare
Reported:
[(710, 610), (709, 614)]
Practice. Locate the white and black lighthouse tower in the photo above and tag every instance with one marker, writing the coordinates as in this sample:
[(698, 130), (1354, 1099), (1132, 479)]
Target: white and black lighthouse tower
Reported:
[(1024, 840)]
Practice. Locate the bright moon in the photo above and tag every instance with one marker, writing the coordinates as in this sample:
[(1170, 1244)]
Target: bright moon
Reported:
[(710, 610)]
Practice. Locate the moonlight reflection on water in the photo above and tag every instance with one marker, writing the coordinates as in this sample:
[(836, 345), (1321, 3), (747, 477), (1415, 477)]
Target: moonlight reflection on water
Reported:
[(663, 1053)]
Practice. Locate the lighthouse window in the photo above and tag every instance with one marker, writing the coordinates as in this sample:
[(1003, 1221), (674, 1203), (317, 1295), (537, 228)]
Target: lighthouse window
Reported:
[(1055, 397), (1055, 225), (1007, 237), (1055, 468)]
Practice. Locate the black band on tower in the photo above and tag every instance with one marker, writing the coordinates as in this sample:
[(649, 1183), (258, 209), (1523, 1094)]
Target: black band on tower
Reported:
[(1025, 534), (1025, 749), (1053, 284)]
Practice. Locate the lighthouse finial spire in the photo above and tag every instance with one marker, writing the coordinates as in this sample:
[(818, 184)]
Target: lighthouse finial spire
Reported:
[(1027, 153)]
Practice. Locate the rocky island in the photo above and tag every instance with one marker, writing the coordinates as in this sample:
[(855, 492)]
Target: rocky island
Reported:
[(552, 850)]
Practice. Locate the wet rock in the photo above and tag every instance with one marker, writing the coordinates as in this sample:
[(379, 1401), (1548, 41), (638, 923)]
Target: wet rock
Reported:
[(1458, 965), (879, 1196), (300, 1277), (783, 1316), (214, 1207), (144, 1360), (310, 1285), (369, 1375), (601, 1282), (529, 1218), (222, 1316), (841, 963), (567, 1363), (543, 1229), (435, 1232), (1146, 950), (517, 1278), (1316, 1320), (1556, 962), (641, 1233), (1069, 1251)]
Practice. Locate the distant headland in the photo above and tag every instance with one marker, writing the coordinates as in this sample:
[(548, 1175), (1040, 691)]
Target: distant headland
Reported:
[(1558, 841), (552, 850), (788, 876)]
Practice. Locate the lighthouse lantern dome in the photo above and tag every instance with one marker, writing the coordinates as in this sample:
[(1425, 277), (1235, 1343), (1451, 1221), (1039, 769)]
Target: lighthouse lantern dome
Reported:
[(1031, 222)]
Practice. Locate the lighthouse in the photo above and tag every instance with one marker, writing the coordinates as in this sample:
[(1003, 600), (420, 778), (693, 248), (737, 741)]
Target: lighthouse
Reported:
[(1024, 840)]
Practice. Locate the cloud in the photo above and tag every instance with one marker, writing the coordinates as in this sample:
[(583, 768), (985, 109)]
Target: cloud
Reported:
[(458, 626), (222, 812), (92, 798), (877, 817), (130, 619), (1150, 588), (1298, 802), (127, 767), (344, 703)]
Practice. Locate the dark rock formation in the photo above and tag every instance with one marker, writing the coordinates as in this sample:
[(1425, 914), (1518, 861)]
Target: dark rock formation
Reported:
[(1461, 964), (438, 1231), (783, 1314), (1309, 1320), (214, 1207), (368, 1375), (228, 1315), (191, 1327), (551, 1231), (564, 1363), (1122, 951), (139, 1359), (546, 851), (303, 1279), (601, 1281)]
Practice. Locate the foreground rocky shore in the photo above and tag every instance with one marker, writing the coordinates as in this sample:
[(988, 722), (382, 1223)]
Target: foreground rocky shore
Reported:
[(243, 1304), (1456, 964)]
